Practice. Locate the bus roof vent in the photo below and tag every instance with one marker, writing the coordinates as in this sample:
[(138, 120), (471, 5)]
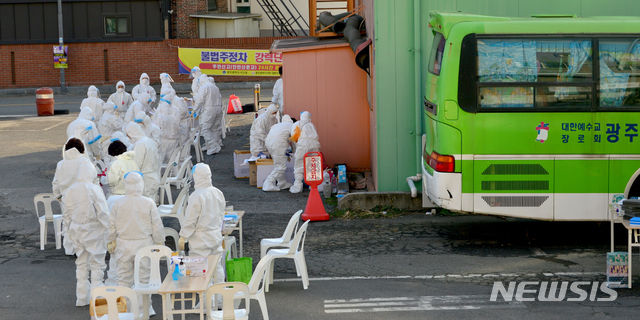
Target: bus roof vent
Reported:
[(554, 16)]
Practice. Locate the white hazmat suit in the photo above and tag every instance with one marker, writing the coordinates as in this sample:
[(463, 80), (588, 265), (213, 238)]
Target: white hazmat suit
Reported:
[(93, 102), (278, 95), (166, 80), (121, 165), (208, 104), (150, 130), (144, 87), (67, 171), (195, 83), (87, 215), (134, 223), (109, 122), (167, 117), (121, 99), (89, 135), (260, 128), (277, 143), (141, 104), (307, 140), (202, 223), (146, 157)]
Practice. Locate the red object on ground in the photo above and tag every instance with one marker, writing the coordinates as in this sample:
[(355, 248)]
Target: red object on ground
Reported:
[(44, 101), (313, 164), (234, 105)]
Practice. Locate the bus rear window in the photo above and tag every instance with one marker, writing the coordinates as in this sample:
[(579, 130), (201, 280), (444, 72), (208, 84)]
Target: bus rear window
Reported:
[(435, 62)]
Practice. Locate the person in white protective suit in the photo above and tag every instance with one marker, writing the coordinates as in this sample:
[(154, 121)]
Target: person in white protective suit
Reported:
[(88, 135), (150, 129), (307, 140), (144, 87), (208, 104), (166, 80), (67, 169), (87, 217), (121, 165), (121, 99), (167, 117), (141, 104), (278, 96), (195, 83), (202, 223), (277, 143), (134, 223), (259, 130), (109, 122), (94, 103), (147, 158), (185, 117)]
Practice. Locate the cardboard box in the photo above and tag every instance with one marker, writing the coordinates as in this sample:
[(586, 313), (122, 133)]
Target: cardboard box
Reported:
[(617, 270), (264, 167), (241, 169), (253, 173)]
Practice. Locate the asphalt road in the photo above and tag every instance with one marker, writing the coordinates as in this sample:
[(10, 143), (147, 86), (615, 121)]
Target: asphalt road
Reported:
[(415, 266)]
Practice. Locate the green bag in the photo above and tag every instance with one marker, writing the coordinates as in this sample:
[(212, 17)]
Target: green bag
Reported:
[(239, 270)]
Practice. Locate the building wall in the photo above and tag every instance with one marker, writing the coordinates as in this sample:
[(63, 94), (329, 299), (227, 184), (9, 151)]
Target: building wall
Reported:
[(398, 153), (187, 27), (109, 62)]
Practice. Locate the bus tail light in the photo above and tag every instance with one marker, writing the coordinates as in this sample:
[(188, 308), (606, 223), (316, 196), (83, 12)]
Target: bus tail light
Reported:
[(441, 163)]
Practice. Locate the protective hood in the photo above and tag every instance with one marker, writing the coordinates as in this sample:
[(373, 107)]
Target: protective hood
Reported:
[(86, 172), (271, 111), (71, 154), (92, 92), (145, 99), (133, 183), (118, 135), (201, 176), (165, 78), (211, 80), (140, 117), (135, 132), (286, 118), (144, 76), (86, 113), (305, 117), (109, 108), (146, 121), (120, 83), (81, 132), (195, 72)]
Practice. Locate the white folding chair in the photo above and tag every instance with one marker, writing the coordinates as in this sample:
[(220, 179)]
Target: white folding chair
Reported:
[(256, 290), (111, 294), (182, 176), (165, 187), (48, 216), (172, 159), (173, 234), (285, 240), (295, 252), (154, 254), (228, 290), (175, 210)]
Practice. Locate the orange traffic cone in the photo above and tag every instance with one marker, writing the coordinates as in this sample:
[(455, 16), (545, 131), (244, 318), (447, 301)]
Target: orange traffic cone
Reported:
[(315, 208)]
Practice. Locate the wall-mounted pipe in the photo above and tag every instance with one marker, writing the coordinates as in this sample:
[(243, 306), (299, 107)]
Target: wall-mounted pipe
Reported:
[(350, 27), (412, 186)]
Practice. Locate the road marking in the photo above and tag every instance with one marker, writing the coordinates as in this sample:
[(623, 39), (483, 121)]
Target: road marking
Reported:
[(451, 276), (55, 125), (33, 104), (420, 303)]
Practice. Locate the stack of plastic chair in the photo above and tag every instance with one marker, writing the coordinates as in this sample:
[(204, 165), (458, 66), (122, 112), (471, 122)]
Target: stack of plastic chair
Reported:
[(175, 210), (229, 291), (154, 254), (111, 294), (165, 187), (182, 176), (285, 240), (48, 216), (295, 252), (195, 141)]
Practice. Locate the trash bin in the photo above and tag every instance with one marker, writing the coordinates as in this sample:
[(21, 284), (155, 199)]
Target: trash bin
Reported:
[(44, 101)]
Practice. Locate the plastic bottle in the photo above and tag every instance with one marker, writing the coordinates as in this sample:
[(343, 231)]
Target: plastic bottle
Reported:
[(182, 280), (326, 185), (176, 273)]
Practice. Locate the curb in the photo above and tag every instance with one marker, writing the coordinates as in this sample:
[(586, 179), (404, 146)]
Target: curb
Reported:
[(181, 88), (368, 200)]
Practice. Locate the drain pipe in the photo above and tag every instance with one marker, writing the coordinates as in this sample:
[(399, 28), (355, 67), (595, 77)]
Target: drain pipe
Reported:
[(412, 186)]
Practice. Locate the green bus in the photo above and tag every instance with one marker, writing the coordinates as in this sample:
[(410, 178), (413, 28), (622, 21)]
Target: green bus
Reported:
[(532, 117)]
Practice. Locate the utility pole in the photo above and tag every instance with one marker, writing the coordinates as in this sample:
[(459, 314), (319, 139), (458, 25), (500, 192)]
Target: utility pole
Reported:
[(63, 87)]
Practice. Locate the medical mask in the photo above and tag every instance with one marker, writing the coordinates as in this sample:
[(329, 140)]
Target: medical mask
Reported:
[(144, 82), (120, 90)]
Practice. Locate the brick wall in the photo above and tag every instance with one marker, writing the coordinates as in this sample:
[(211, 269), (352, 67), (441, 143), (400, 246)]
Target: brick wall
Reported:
[(33, 66)]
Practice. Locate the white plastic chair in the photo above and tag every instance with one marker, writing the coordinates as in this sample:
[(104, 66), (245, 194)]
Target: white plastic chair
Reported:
[(111, 294), (230, 245), (256, 291), (154, 254), (295, 252), (165, 188), (48, 216), (171, 232), (181, 178), (175, 210), (285, 240), (228, 290), (195, 141), (172, 159)]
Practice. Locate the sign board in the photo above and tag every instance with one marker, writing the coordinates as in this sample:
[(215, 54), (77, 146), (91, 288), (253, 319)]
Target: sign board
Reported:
[(313, 168), (224, 62), (60, 56)]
